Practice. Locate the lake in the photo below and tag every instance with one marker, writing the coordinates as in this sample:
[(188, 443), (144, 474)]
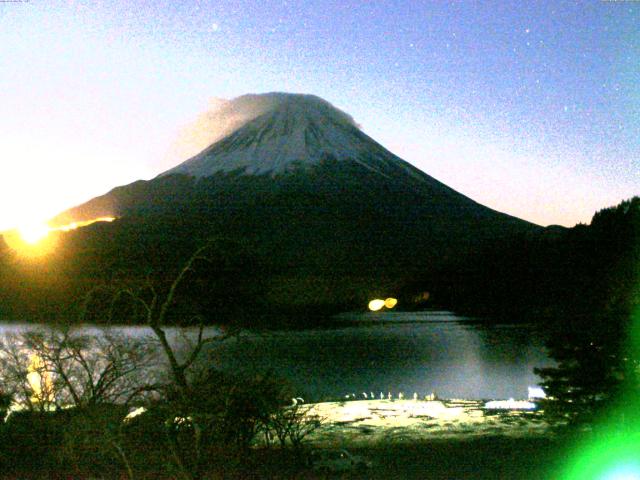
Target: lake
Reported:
[(395, 352)]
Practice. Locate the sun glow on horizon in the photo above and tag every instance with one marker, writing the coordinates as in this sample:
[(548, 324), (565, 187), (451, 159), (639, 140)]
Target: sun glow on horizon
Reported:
[(34, 239), (33, 233), (84, 223)]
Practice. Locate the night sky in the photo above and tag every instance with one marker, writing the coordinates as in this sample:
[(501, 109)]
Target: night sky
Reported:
[(531, 108)]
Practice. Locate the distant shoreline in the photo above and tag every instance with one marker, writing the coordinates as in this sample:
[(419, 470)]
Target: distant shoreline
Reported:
[(361, 422)]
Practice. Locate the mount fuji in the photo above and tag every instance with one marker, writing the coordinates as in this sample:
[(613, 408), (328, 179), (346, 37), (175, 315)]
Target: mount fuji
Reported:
[(330, 215), (295, 132)]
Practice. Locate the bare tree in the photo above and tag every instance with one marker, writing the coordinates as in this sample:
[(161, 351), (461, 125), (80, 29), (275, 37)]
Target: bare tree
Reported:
[(155, 306), (187, 417), (292, 424), (99, 374), (51, 368), (15, 361)]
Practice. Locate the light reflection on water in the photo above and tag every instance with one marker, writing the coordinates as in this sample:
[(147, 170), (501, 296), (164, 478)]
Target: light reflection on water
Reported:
[(393, 352), (397, 352)]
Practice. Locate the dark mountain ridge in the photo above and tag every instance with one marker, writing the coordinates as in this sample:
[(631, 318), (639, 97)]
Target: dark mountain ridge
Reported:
[(330, 216)]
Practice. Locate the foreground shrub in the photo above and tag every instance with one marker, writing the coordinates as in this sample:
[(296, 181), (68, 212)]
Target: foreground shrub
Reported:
[(216, 423), (93, 440), (32, 441)]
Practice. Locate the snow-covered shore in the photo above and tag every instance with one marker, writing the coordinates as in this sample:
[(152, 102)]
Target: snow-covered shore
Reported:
[(366, 421)]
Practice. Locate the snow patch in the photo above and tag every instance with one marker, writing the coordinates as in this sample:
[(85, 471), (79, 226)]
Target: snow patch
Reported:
[(286, 132)]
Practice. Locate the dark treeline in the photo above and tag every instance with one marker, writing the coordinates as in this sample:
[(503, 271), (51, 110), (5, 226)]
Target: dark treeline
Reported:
[(535, 275), (296, 246), (583, 286), (582, 271)]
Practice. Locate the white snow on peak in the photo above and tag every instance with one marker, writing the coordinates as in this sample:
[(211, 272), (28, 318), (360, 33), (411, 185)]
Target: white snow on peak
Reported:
[(293, 131)]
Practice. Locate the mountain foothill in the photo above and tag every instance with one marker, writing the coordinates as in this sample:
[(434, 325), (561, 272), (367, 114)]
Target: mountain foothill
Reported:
[(304, 215)]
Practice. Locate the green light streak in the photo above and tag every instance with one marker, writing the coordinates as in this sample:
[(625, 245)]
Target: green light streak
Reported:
[(613, 450), (613, 456)]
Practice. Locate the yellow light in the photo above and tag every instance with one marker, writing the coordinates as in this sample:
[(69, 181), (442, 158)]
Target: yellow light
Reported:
[(33, 233), (390, 302), (31, 240), (39, 379), (75, 225), (375, 305), (35, 240)]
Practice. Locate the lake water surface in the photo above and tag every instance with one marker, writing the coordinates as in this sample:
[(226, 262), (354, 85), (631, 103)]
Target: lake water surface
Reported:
[(395, 352)]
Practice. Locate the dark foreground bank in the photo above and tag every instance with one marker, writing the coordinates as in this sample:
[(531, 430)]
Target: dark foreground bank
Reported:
[(479, 458)]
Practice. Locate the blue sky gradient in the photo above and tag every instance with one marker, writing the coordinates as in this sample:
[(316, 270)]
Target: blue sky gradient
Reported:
[(531, 108)]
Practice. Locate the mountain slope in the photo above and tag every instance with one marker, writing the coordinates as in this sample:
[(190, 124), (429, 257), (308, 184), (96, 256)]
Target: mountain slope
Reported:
[(329, 214), (289, 134)]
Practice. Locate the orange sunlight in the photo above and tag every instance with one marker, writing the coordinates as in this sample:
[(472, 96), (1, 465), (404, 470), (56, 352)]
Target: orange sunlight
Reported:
[(74, 225), (35, 240), (34, 232)]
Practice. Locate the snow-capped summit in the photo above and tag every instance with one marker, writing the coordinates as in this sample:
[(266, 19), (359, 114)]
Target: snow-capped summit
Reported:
[(285, 132), (296, 191)]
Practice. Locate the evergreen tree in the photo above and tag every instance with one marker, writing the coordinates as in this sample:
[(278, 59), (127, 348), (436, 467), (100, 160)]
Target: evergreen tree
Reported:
[(593, 374), (598, 354)]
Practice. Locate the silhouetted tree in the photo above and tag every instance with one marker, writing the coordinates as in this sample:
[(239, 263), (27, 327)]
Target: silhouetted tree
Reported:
[(292, 424), (594, 372), (201, 409), (598, 369), (54, 368), (46, 371)]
